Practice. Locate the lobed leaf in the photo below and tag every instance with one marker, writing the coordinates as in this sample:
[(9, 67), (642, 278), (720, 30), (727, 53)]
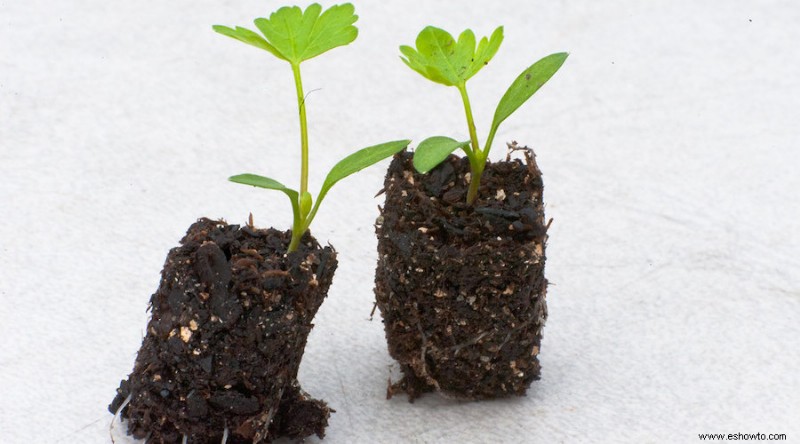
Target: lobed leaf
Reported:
[(300, 35), (442, 59), (295, 35), (433, 150), (360, 160), (487, 48), (526, 85), (247, 36)]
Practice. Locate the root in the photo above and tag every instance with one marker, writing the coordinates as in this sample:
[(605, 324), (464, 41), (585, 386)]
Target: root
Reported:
[(225, 435), (265, 421), (117, 413), (185, 439), (274, 408), (457, 348), (530, 157), (422, 368), (372, 313)]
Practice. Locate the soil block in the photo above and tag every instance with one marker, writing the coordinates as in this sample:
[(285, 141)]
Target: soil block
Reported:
[(228, 329), (461, 288)]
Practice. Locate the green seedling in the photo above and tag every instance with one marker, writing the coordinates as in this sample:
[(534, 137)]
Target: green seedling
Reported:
[(294, 35), (442, 59)]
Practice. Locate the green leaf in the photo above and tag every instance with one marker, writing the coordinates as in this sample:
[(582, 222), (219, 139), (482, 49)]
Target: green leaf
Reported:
[(247, 36), (526, 85), (272, 184), (442, 59), (300, 35), (360, 160), (265, 182), (433, 150), (487, 48)]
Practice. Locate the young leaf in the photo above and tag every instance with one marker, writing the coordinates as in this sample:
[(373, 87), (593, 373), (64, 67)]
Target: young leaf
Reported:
[(358, 161), (300, 35), (442, 59), (526, 85), (487, 48), (433, 150), (265, 182)]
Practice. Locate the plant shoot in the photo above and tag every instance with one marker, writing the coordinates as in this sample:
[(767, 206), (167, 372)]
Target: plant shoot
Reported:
[(294, 35), (440, 58)]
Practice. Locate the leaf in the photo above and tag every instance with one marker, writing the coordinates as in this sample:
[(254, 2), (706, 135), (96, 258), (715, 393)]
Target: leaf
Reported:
[(526, 85), (300, 35), (265, 182), (442, 59), (433, 150), (487, 48), (247, 36), (360, 160)]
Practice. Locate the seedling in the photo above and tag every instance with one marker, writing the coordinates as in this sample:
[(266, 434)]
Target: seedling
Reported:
[(294, 35), (442, 59)]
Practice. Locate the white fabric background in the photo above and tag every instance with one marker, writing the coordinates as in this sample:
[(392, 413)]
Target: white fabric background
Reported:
[(669, 143)]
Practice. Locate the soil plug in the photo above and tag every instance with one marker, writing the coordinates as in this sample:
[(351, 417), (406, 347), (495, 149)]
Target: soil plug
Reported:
[(461, 241), (235, 305)]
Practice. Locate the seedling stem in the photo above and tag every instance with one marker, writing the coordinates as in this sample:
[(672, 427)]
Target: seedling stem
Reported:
[(301, 106), (295, 35)]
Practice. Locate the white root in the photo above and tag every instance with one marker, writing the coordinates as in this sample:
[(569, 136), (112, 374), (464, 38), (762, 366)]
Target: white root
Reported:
[(225, 436), (117, 413), (262, 435), (185, 439)]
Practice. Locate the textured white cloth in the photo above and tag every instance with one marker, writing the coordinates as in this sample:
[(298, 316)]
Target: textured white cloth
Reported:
[(668, 141)]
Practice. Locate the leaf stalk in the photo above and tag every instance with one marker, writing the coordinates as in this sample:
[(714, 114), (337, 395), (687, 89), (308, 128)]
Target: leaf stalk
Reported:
[(301, 106), (476, 153), (473, 136)]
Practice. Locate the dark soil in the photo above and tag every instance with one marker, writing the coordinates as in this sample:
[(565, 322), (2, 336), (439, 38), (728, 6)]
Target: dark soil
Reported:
[(461, 288), (228, 329)]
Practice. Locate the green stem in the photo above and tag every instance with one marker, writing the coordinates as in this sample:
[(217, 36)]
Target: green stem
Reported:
[(476, 160), (302, 224), (301, 105), (297, 224), (473, 136), (477, 168), (307, 222), (297, 234), (488, 145), (297, 227), (474, 182)]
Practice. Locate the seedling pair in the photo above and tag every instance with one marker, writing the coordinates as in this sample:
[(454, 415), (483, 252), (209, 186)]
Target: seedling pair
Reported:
[(295, 36), (214, 294)]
